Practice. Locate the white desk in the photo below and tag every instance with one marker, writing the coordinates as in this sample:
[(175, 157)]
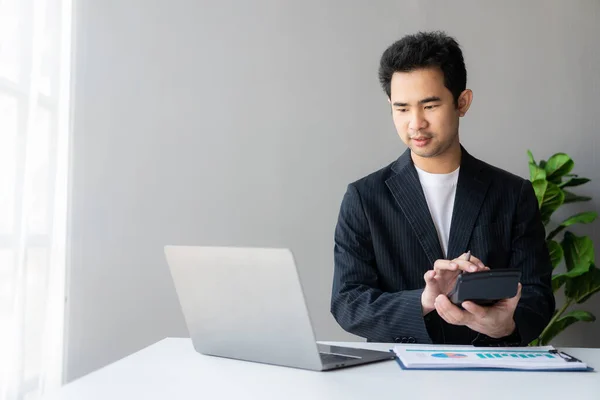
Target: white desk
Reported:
[(171, 369)]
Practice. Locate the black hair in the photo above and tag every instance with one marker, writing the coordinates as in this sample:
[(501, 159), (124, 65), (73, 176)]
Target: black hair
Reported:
[(425, 50)]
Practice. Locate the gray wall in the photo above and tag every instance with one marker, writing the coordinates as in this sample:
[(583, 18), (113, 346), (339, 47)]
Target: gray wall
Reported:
[(241, 122)]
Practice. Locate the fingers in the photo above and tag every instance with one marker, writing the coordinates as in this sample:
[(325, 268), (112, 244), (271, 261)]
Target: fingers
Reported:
[(429, 276), (476, 261), (460, 264), (468, 266), (450, 313), (430, 281), (445, 265), (511, 303), (429, 292), (475, 309)]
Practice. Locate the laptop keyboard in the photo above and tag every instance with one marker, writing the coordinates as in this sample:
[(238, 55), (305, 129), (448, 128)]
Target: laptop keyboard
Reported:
[(329, 358)]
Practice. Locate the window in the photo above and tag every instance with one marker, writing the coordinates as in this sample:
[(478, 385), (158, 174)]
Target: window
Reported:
[(35, 38)]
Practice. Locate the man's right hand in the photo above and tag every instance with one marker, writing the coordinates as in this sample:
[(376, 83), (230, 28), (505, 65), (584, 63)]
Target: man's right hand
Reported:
[(442, 278)]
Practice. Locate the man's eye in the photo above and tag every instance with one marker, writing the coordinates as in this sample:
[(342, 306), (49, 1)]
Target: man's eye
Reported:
[(430, 107), (401, 110)]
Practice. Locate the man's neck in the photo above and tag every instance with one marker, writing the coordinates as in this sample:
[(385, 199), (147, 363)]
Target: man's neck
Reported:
[(445, 163)]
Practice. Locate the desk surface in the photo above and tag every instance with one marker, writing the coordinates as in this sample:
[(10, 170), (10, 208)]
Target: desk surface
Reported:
[(171, 369)]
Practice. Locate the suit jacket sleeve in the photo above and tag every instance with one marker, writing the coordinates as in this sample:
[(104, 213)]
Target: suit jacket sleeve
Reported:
[(358, 302), (530, 254)]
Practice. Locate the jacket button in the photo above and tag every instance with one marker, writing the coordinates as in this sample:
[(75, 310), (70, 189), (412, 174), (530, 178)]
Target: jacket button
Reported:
[(397, 340), (412, 340)]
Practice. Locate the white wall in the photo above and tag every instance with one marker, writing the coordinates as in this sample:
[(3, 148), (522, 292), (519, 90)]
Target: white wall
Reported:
[(240, 123)]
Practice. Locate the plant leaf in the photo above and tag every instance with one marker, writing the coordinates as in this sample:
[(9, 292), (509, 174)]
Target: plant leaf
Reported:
[(530, 155), (578, 252), (552, 199), (559, 279), (557, 166), (564, 322), (539, 187), (582, 218), (573, 198), (584, 286), (579, 315), (556, 252), (573, 182), (536, 172)]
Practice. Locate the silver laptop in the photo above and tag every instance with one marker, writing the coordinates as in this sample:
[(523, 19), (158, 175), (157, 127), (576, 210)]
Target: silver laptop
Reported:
[(248, 304)]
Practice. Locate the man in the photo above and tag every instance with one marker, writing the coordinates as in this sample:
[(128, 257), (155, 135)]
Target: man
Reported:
[(403, 231)]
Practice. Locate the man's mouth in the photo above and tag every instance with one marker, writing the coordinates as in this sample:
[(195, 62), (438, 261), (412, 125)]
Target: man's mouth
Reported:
[(421, 141)]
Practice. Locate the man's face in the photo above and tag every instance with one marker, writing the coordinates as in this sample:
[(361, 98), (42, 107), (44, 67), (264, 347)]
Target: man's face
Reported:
[(424, 111)]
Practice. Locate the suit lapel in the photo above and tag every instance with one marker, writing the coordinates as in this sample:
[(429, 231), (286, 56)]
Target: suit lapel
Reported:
[(472, 186), (406, 189), (473, 182)]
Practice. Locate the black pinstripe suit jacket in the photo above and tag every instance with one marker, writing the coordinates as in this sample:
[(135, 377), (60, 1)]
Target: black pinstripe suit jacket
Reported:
[(385, 241)]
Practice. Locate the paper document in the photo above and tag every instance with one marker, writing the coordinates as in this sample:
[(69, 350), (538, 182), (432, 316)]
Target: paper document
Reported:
[(470, 357)]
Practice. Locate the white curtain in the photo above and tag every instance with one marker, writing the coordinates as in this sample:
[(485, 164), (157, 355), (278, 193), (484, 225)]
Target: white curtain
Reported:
[(34, 126)]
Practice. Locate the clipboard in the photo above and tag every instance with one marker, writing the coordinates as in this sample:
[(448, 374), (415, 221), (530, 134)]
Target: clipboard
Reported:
[(471, 358)]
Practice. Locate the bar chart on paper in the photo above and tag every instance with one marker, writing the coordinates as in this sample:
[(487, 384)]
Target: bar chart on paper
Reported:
[(469, 357), (516, 355)]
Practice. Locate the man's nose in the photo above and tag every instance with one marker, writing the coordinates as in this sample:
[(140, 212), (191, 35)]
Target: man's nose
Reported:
[(417, 122)]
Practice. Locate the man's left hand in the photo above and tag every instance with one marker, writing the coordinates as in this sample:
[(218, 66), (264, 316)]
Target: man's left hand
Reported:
[(495, 321)]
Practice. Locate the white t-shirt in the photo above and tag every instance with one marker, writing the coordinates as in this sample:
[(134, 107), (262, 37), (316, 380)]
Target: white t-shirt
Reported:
[(440, 191)]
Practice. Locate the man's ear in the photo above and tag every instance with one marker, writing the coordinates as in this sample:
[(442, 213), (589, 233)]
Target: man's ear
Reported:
[(464, 102)]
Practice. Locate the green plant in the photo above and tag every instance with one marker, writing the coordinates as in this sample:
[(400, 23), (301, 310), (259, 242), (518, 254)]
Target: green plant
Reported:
[(581, 279)]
